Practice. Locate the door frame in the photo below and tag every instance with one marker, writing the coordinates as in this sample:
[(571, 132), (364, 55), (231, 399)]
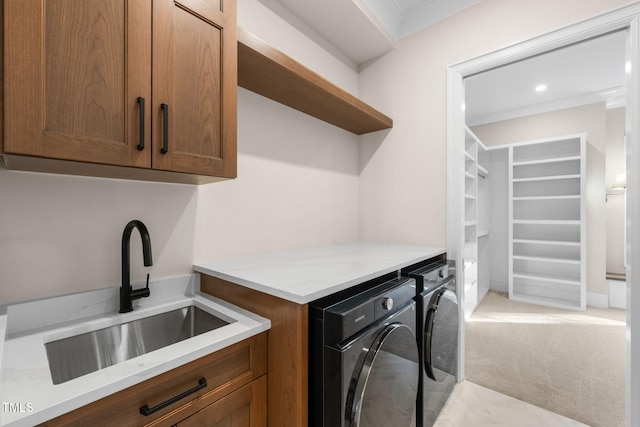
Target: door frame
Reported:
[(625, 18)]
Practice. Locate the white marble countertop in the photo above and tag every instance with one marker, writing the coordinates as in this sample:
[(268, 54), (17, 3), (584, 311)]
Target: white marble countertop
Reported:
[(304, 275), (27, 393)]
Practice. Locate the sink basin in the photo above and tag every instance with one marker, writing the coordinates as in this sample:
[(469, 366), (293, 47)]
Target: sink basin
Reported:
[(79, 355)]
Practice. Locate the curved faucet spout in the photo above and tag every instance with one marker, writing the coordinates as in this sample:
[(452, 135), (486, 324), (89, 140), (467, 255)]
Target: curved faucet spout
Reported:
[(127, 294)]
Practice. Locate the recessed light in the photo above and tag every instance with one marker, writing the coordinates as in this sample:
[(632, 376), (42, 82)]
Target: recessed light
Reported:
[(541, 88)]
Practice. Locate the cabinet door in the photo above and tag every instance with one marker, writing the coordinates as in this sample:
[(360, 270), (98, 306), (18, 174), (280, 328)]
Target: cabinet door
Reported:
[(246, 407), (194, 86), (73, 73)]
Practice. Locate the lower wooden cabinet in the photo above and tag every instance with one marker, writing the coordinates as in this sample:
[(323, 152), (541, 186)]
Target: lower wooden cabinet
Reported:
[(242, 408), (235, 394), (288, 348)]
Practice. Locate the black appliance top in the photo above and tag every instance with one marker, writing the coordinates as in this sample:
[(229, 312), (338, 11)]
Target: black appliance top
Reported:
[(430, 275), (345, 317)]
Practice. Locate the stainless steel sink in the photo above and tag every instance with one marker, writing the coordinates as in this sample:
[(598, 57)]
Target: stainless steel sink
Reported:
[(79, 355)]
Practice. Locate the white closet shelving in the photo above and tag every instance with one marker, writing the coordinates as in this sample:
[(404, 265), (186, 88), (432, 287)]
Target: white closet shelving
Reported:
[(484, 220), (547, 223), (476, 220)]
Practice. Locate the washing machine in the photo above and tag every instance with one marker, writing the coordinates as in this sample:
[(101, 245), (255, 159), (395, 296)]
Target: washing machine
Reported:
[(363, 356), (437, 335)]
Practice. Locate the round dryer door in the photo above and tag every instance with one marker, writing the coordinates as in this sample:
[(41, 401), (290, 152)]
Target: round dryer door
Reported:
[(441, 335), (384, 391)]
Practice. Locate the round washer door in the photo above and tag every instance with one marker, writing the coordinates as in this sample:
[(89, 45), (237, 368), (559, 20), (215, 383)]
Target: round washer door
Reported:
[(384, 391), (441, 335)]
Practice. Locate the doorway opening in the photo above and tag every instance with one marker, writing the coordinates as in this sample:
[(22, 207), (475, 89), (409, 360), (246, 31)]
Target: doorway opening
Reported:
[(623, 21)]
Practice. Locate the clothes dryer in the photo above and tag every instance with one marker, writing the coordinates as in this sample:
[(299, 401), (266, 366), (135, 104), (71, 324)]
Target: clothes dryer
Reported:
[(363, 356), (437, 335)]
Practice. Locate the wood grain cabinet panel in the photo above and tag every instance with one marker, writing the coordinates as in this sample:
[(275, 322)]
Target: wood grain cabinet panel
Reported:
[(194, 87), (288, 348), (143, 84), (246, 407), (227, 372), (74, 71)]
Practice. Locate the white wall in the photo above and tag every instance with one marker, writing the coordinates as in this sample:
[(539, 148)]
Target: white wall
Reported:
[(61, 234), (615, 158), (297, 179), (297, 186), (498, 238), (409, 84), (589, 118)]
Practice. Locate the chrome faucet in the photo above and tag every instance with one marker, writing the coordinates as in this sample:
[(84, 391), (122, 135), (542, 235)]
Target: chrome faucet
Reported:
[(127, 294)]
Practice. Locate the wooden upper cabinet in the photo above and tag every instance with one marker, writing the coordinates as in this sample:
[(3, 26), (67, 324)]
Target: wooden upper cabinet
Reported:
[(194, 86), (74, 71), (77, 73)]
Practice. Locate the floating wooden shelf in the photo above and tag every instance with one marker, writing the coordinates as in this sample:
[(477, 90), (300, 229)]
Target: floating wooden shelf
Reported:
[(267, 71)]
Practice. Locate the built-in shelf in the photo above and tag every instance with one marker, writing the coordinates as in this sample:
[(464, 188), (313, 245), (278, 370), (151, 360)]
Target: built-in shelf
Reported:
[(547, 259), (476, 222), (547, 197), (546, 178), (547, 250), (547, 242), (269, 72), (546, 160), (546, 221), (548, 278)]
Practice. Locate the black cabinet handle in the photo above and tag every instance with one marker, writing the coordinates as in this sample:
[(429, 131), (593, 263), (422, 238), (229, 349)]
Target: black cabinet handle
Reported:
[(146, 411), (165, 129), (141, 143)]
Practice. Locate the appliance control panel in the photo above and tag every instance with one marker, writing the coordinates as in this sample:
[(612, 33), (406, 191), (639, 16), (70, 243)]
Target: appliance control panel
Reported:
[(359, 311)]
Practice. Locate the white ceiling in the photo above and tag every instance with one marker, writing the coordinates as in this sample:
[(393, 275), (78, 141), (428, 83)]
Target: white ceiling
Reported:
[(365, 29), (414, 15), (585, 73), (360, 30)]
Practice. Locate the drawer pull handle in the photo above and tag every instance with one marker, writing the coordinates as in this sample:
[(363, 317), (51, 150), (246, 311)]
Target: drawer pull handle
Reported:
[(165, 129), (146, 411), (140, 145)]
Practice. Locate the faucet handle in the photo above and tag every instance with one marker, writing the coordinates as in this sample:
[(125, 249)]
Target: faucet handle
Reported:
[(142, 292), (145, 292)]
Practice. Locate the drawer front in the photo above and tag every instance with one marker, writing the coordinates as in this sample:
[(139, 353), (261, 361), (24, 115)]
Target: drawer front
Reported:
[(246, 407), (224, 372)]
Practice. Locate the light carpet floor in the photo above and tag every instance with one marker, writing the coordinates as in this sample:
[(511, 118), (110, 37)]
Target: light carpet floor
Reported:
[(568, 362)]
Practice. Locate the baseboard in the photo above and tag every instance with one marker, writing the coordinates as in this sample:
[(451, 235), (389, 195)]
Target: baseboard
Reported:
[(616, 298), (597, 300), (617, 294)]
